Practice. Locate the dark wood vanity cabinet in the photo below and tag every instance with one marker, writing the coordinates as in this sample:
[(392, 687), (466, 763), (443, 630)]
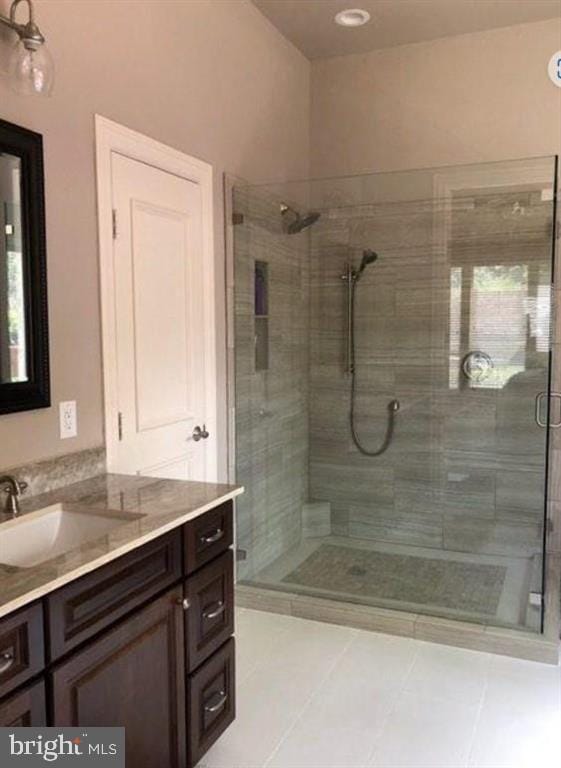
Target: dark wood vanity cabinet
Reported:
[(133, 675), (22, 652), (209, 621), (88, 605), (25, 708), (211, 701), (207, 536), (143, 642)]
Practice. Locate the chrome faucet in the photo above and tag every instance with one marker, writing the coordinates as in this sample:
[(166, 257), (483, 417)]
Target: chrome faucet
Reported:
[(13, 489)]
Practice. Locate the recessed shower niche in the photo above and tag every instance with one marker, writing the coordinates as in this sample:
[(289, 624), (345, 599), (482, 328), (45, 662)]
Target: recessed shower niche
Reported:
[(261, 315)]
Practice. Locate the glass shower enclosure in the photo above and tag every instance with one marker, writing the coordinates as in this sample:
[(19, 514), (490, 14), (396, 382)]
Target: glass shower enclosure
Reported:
[(392, 343)]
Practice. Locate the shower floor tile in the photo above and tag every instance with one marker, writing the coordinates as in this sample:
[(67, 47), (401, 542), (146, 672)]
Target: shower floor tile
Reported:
[(485, 588), (441, 584)]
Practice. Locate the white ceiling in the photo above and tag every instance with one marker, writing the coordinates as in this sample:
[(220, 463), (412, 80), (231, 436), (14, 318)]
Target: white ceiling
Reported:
[(309, 23)]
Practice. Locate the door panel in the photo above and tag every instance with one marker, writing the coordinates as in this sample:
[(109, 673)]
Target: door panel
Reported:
[(160, 298)]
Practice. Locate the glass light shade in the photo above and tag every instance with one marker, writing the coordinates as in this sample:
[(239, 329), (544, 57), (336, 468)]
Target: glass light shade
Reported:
[(32, 71)]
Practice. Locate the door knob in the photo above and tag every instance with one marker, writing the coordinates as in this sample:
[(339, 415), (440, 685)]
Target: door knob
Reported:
[(200, 434)]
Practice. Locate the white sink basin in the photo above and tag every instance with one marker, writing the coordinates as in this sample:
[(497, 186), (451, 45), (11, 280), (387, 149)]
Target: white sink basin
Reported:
[(39, 536)]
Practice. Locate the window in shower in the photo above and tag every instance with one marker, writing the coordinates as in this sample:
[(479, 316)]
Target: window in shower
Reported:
[(503, 312)]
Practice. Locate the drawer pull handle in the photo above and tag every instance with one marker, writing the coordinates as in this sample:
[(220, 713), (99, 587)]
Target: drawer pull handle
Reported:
[(214, 610), (212, 538), (216, 701), (6, 661)]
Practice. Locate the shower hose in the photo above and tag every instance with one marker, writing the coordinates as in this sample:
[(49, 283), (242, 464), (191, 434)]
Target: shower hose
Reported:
[(393, 405)]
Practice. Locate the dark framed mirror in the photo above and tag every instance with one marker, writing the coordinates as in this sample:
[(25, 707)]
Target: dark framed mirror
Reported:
[(24, 335)]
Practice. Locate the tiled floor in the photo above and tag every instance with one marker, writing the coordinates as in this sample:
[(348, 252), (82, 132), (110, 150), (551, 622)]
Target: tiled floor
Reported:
[(513, 609), (320, 695)]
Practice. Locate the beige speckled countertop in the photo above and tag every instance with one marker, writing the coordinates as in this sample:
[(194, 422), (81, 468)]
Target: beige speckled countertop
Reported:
[(152, 506)]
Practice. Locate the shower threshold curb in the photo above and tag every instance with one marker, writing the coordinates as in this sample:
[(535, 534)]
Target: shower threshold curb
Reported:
[(504, 642)]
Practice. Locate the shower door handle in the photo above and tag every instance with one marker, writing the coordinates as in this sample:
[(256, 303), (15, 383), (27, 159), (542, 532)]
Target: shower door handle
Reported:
[(348, 277), (540, 397)]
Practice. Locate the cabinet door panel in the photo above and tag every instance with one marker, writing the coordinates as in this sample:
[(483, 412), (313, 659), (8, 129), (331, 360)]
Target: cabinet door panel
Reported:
[(133, 676), (210, 616), (25, 708)]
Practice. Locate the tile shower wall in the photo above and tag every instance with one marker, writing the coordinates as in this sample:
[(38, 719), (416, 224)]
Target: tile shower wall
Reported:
[(271, 404), (465, 470)]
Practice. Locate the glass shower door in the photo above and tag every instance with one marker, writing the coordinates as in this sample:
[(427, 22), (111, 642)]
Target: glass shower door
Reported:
[(493, 281)]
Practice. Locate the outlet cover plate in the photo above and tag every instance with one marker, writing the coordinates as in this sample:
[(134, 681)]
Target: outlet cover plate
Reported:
[(68, 419)]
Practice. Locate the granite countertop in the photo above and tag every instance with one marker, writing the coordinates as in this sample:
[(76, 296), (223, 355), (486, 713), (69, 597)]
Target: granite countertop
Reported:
[(147, 506)]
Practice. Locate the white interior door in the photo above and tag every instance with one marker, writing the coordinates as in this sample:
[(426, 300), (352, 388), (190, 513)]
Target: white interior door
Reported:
[(159, 289)]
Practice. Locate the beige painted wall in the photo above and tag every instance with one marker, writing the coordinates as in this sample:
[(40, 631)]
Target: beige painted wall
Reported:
[(214, 79), (471, 98), (210, 77)]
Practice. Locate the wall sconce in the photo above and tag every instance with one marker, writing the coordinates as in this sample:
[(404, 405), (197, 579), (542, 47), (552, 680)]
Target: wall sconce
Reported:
[(31, 65)]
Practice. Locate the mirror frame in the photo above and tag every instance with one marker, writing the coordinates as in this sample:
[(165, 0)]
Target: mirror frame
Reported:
[(35, 392)]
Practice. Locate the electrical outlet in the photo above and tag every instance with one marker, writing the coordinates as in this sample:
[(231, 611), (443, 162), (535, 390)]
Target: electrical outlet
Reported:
[(68, 419)]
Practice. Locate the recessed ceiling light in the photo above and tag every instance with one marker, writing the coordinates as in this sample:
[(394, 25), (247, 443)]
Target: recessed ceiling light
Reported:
[(352, 17)]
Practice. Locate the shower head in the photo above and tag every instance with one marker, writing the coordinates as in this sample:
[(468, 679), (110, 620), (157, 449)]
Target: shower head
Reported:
[(294, 222), (368, 257), (303, 223)]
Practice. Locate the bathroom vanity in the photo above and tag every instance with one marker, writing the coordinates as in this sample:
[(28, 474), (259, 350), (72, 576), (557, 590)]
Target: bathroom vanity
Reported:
[(131, 628)]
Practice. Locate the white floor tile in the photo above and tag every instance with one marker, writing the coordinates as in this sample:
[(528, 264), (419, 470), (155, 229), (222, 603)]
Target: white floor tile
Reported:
[(338, 727), (314, 695), (448, 673), (522, 685), (384, 661), (426, 733), (276, 692), (257, 635), (511, 738)]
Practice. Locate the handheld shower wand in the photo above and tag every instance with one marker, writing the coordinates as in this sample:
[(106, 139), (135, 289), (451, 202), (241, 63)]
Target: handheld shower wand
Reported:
[(352, 277)]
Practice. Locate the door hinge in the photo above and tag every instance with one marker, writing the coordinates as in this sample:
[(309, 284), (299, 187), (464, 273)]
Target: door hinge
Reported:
[(114, 223), (120, 425), (237, 218)]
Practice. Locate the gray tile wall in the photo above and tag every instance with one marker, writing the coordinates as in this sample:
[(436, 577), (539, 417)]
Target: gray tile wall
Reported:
[(465, 470), (271, 406)]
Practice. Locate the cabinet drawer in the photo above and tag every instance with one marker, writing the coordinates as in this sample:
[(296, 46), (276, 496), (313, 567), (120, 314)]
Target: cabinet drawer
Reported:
[(86, 606), (211, 701), (208, 535), (21, 647), (25, 708), (210, 615)]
